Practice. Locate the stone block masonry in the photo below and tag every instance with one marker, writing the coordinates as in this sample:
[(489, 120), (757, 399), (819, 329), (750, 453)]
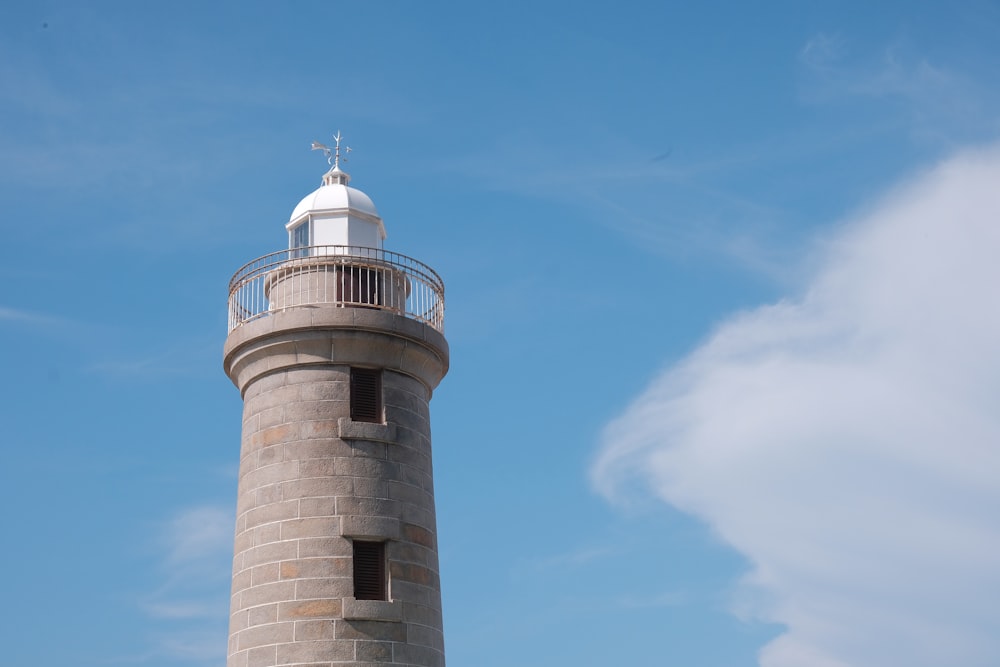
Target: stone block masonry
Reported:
[(312, 480)]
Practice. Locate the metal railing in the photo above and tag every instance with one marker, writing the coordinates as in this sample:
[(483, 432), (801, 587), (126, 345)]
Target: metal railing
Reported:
[(345, 276)]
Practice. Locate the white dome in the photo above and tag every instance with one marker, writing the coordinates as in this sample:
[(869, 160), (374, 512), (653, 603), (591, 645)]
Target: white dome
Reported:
[(335, 197), (335, 214)]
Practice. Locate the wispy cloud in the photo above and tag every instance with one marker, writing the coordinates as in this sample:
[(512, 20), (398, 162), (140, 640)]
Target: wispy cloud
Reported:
[(939, 103), (199, 647), (673, 209), (823, 51), (192, 598), (845, 441), (150, 367), (17, 315), (571, 559), (652, 601), (199, 534), (183, 609), (183, 358)]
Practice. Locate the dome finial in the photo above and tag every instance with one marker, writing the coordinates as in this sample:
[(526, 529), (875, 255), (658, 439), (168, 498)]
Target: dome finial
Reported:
[(335, 175)]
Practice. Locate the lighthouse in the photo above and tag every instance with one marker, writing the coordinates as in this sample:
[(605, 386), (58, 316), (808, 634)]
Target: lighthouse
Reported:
[(336, 346)]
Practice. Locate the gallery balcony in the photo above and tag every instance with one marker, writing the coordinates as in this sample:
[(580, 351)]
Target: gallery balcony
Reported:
[(336, 276)]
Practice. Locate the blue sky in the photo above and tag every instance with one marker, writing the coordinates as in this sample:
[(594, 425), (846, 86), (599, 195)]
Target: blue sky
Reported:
[(720, 299)]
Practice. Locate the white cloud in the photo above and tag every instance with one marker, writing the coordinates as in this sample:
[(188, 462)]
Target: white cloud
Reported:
[(940, 103), (197, 539), (199, 533), (183, 357), (192, 600), (577, 558), (14, 314), (27, 317), (847, 441), (822, 50), (184, 609)]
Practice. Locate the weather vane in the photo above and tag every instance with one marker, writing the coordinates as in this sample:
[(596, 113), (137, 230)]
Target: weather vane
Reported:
[(332, 155)]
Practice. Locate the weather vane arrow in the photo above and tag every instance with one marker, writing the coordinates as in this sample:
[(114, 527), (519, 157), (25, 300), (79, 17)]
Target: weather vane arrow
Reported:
[(332, 155)]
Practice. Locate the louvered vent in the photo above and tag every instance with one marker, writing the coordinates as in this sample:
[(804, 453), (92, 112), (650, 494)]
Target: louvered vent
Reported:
[(369, 571), (366, 395)]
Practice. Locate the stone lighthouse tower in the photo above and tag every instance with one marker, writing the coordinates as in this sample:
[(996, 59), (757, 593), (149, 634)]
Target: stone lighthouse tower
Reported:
[(336, 346)]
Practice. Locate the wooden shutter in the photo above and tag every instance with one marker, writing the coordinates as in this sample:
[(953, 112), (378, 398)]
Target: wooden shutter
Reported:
[(369, 571), (366, 395)]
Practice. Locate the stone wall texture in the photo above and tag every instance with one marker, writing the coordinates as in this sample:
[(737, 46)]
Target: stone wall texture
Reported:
[(311, 479)]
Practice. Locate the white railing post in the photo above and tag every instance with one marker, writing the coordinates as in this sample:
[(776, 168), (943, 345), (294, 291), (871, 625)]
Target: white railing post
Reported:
[(344, 276)]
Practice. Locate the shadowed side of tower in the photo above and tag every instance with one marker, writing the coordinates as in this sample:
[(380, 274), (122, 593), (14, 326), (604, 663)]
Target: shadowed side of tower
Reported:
[(336, 350)]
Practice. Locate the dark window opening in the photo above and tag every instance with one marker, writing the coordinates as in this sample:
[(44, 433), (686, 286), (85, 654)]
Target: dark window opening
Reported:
[(370, 582), (358, 284), (366, 395)]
